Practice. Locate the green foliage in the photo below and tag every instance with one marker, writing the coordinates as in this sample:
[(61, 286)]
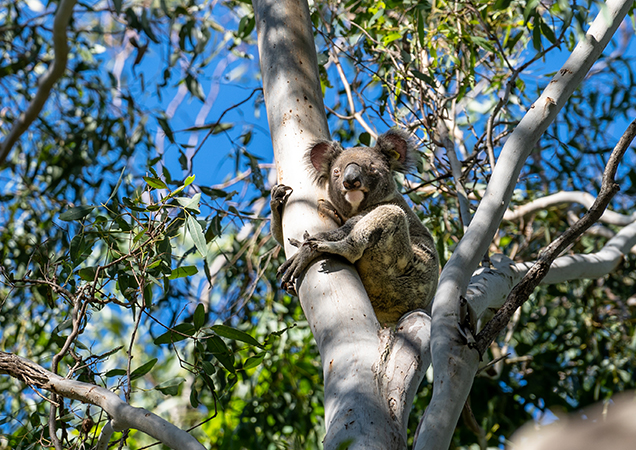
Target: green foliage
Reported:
[(122, 258)]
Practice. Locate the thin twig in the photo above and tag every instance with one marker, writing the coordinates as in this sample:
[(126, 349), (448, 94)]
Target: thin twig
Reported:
[(442, 136), (212, 127), (490, 150), (352, 105)]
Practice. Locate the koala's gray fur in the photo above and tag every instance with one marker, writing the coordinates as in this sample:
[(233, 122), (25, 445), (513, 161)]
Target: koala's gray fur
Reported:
[(392, 250)]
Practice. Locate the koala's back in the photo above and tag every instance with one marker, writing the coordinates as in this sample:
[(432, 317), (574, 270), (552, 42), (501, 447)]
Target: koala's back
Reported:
[(400, 270)]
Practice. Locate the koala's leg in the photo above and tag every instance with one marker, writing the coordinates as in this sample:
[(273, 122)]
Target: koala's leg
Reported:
[(383, 233), (291, 269), (279, 195)]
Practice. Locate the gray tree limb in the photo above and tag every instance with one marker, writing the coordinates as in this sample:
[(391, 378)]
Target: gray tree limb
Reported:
[(454, 363), (370, 374), (521, 292), (123, 416), (584, 198), (490, 287)]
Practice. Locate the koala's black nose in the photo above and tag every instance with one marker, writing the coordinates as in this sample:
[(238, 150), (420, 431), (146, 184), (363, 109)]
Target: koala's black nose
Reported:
[(352, 176)]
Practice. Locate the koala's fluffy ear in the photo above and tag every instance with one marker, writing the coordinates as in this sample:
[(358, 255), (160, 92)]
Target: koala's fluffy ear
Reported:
[(398, 148), (320, 157)]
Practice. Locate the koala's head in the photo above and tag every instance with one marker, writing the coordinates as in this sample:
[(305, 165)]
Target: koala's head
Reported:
[(360, 177)]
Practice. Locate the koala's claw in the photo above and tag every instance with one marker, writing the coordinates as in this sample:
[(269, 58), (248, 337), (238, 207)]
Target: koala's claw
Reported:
[(307, 240), (325, 207), (289, 287), (280, 193), (291, 269)]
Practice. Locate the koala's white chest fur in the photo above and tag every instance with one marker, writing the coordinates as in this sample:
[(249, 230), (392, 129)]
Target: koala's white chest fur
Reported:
[(354, 198)]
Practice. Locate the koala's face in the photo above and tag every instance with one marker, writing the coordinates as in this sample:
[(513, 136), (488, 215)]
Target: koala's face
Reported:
[(360, 177)]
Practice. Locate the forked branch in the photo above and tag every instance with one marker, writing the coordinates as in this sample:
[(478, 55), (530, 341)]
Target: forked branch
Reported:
[(122, 414), (521, 292)]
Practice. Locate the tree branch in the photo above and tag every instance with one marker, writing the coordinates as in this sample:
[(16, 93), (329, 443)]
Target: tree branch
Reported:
[(490, 286), (355, 352), (442, 136), (454, 366), (539, 270), (46, 83), (582, 198), (408, 357), (123, 415), (104, 436), (356, 115)]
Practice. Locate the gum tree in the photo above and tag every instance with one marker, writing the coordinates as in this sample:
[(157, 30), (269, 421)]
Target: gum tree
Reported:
[(371, 374), (138, 297)]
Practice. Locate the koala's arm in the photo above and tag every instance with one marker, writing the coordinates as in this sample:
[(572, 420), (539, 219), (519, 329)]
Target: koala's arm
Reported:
[(383, 231), (279, 195), (380, 228)]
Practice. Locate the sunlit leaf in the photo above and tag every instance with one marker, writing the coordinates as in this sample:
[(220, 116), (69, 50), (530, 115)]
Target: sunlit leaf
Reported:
[(188, 181), (237, 335), (196, 232), (183, 271), (155, 183), (143, 369), (76, 213), (254, 361)]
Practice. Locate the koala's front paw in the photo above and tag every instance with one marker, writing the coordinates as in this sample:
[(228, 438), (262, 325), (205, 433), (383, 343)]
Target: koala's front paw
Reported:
[(280, 193), (291, 269), (325, 207)]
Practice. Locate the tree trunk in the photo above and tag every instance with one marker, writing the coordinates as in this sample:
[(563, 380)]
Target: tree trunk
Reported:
[(371, 374), (367, 380)]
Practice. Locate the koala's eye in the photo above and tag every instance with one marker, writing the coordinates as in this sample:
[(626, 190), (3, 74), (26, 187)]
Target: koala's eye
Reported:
[(336, 172)]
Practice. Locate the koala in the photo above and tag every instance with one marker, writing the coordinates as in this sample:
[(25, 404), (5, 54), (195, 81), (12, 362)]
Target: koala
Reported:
[(392, 250)]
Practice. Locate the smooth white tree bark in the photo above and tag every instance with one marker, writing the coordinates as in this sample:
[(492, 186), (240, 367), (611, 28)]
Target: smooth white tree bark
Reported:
[(584, 198), (489, 287), (371, 375), (454, 363)]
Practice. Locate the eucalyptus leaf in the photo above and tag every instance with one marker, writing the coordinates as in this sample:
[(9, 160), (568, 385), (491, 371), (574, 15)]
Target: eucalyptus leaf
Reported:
[(76, 213), (237, 335), (143, 369), (196, 232)]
